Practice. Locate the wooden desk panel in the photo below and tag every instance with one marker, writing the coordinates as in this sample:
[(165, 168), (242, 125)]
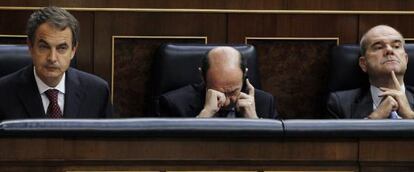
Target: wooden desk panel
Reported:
[(161, 154)]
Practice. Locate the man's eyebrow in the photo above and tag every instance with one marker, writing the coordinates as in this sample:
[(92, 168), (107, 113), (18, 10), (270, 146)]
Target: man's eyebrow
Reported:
[(43, 41), (63, 44), (376, 43), (397, 41)]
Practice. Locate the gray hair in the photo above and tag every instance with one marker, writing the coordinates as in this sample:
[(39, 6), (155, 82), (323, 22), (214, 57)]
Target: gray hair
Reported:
[(57, 17), (363, 44)]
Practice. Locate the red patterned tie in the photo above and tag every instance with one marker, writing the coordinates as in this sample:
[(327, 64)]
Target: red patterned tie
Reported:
[(53, 110)]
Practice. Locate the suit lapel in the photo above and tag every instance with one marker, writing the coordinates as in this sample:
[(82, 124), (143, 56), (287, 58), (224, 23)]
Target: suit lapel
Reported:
[(29, 94), (73, 95), (410, 98), (363, 106)]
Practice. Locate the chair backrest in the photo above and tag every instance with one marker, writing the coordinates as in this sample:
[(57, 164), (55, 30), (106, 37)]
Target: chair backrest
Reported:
[(15, 57), (176, 65), (346, 74)]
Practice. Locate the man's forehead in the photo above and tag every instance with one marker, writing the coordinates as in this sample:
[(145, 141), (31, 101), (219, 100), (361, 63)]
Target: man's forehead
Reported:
[(384, 35), (53, 35), (384, 39)]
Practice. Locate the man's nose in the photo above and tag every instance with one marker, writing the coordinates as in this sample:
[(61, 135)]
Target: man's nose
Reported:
[(389, 50), (232, 98), (52, 55)]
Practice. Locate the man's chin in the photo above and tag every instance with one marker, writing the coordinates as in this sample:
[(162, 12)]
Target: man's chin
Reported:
[(52, 75), (397, 71)]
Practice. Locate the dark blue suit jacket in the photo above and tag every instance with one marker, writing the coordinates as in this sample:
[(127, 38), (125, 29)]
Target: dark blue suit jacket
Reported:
[(188, 101), (86, 96)]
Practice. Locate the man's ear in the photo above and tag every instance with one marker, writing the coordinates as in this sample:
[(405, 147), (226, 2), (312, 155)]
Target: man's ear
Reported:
[(363, 63), (406, 57)]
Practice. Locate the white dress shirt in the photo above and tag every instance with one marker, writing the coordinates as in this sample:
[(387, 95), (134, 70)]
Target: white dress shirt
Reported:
[(43, 88)]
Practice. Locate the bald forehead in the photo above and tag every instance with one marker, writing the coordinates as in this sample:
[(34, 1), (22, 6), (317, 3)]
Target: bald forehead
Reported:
[(224, 57), (383, 32)]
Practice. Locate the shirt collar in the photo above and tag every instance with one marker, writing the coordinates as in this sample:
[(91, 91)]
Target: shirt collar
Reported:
[(375, 91), (44, 87)]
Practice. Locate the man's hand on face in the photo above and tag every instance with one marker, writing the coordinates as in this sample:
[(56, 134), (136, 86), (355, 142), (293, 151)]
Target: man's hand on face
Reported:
[(214, 101), (404, 109), (245, 103)]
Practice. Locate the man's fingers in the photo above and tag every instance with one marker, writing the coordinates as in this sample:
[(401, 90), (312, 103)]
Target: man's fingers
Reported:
[(221, 99), (243, 103), (394, 104), (397, 85), (387, 99), (384, 89), (387, 93), (250, 88), (243, 95), (215, 97)]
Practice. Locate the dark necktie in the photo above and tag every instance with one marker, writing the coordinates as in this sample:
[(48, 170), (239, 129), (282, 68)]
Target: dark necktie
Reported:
[(226, 113), (53, 110)]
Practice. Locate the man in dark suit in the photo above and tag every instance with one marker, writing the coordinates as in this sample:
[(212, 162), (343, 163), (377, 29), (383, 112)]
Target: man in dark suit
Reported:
[(50, 88), (384, 59), (226, 92)]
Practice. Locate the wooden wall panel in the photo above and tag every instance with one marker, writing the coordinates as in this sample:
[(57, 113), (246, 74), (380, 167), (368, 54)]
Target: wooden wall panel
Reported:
[(277, 25), (13, 22), (133, 59), (395, 167), (150, 24), (351, 5), (193, 4), (84, 54), (107, 25), (279, 74), (403, 23), (296, 72), (394, 158), (182, 153), (373, 5), (24, 3)]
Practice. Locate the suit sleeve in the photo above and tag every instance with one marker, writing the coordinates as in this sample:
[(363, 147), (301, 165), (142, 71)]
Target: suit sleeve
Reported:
[(333, 107), (273, 111), (165, 108), (265, 105)]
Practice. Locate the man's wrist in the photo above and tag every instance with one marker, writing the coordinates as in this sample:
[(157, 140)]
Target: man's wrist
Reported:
[(373, 115), (205, 113), (409, 115)]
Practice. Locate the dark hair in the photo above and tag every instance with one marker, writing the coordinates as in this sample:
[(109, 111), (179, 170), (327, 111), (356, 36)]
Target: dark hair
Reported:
[(55, 16), (205, 64)]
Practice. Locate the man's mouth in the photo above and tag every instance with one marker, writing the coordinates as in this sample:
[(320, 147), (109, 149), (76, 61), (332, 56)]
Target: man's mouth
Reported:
[(391, 61), (51, 67)]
